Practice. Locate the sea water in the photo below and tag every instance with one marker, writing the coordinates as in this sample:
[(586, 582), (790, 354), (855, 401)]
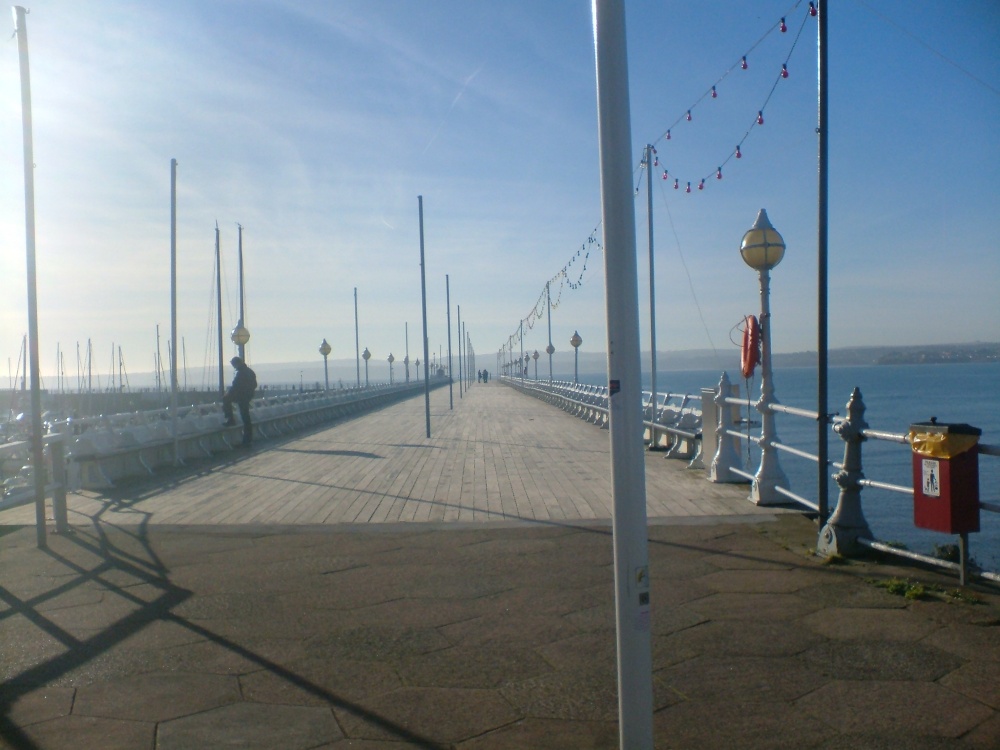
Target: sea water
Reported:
[(895, 396)]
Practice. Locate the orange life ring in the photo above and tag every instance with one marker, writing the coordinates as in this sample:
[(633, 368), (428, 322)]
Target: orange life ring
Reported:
[(750, 351)]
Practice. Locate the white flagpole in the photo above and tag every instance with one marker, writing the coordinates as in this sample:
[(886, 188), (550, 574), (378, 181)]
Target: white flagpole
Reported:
[(635, 677)]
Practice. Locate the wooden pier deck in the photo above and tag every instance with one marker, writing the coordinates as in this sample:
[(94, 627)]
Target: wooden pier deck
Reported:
[(496, 456)]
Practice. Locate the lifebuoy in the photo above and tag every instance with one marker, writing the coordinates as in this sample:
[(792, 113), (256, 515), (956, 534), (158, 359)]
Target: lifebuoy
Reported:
[(750, 351)]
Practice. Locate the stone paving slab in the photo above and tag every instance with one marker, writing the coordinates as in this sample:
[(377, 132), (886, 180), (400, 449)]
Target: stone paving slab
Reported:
[(332, 639)]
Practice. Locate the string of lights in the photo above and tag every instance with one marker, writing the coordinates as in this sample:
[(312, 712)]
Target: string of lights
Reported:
[(712, 92)]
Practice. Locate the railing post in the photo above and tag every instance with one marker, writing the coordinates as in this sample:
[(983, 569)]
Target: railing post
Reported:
[(847, 524), (709, 425), (726, 456), (57, 450)]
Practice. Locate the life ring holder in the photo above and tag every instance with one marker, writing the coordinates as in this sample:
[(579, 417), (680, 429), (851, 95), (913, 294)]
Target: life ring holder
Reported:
[(750, 350)]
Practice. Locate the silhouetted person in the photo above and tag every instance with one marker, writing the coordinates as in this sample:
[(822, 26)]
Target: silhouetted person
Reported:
[(241, 391)]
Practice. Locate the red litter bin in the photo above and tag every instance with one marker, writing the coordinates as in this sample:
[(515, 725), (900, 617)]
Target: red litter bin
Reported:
[(945, 476)]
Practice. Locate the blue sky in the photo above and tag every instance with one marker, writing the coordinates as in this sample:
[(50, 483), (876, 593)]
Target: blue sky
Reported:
[(317, 124)]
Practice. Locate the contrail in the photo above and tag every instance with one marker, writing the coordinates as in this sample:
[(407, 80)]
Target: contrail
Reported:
[(454, 101)]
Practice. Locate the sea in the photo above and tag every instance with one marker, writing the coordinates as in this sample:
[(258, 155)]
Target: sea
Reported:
[(895, 396)]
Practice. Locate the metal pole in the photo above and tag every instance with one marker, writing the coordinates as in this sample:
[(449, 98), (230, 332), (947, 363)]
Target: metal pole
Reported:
[(460, 385), (520, 366), (218, 279), (451, 380), (173, 310), (242, 323), (423, 302), (635, 681), (548, 297), (357, 341), (822, 396), (652, 291), (37, 446), (769, 474)]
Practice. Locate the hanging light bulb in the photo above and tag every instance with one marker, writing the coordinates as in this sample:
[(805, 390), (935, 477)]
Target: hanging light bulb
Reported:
[(812, 9), (701, 185), (688, 116), (783, 27), (664, 174), (677, 184), (688, 190), (718, 173), (715, 94), (784, 70), (668, 135), (744, 63), (654, 149), (656, 161), (760, 118), (738, 154)]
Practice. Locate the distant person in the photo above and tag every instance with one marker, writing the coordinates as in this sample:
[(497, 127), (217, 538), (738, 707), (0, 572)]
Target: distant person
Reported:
[(241, 391), (479, 376), (486, 376)]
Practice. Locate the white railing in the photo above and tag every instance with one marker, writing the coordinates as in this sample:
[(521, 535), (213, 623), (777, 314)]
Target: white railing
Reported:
[(673, 424), (677, 423), (846, 531), (101, 450)]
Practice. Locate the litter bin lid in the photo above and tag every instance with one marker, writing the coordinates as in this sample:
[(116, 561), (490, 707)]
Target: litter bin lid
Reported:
[(933, 427)]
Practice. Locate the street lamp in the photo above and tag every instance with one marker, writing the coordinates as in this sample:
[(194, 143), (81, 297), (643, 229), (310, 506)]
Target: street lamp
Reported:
[(550, 350), (325, 350), (762, 249), (535, 357), (575, 342), (240, 336), (391, 360), (366, 355)]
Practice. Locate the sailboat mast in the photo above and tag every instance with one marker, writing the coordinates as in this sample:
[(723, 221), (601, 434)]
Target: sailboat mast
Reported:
[(218, 281), (173, 307), (37, 456), (242, 321)]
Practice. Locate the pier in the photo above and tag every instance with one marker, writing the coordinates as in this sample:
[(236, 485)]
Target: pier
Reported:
[(360, 585)]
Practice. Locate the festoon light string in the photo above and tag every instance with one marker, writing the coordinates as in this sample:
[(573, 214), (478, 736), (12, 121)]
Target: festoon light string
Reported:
[(563, 279), (712, 92)]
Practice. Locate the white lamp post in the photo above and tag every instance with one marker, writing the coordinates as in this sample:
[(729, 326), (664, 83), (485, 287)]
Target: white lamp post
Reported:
[(762, 249), (575, 343), (535, 357), (366, 355), (325, 350), (391, 359)]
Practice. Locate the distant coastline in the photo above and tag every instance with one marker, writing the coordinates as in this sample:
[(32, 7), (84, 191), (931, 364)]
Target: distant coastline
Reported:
[(345, 372), (899, 355)]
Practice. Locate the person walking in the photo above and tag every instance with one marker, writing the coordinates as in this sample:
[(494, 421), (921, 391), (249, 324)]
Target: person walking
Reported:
[(241, 391)]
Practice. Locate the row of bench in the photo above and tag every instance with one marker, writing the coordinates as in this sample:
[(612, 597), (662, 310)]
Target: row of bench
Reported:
[(95, 452), (673, 423)]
